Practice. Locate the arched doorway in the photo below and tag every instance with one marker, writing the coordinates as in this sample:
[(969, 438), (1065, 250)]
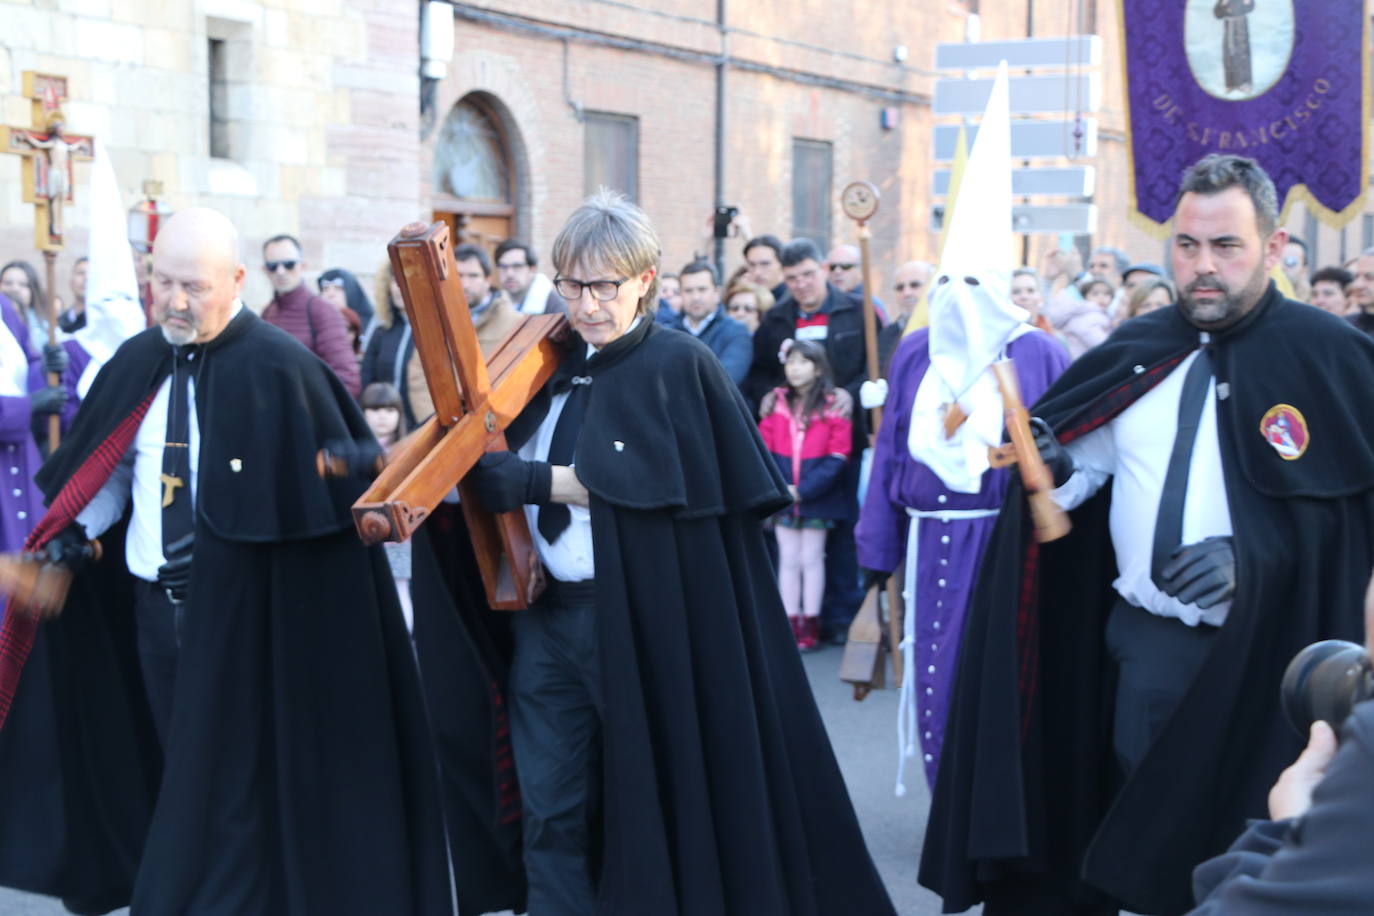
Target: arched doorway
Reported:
[(474, 175)]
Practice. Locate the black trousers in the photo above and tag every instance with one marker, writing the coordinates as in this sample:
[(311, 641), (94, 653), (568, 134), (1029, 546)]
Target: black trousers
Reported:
[(159, 624), (843, 591), (1157, 659), (556, 707)]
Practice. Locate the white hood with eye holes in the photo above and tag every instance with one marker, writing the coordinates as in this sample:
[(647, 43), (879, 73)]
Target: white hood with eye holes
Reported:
[(972, 318)]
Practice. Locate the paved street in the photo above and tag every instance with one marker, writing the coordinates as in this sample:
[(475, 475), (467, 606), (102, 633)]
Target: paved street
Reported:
[(865, 741)]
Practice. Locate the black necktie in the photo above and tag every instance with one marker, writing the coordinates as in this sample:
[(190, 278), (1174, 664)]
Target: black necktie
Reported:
[(554, 518), (1169, 522), (178, 521)]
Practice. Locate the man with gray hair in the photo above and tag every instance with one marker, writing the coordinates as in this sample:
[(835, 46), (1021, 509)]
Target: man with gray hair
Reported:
[(225, 717), (1219, 472), (658, 663), (1107, 263)]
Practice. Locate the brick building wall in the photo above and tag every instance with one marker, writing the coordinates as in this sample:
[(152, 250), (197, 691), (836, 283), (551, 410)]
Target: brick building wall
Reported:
[(815, 71)]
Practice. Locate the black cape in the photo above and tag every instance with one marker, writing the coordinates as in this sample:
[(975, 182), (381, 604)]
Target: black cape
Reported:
[(722, 793), (1029, 808), (298, 776), (464, 651)]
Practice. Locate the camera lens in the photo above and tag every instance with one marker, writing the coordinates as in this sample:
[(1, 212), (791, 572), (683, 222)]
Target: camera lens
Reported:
[(1325, 681)]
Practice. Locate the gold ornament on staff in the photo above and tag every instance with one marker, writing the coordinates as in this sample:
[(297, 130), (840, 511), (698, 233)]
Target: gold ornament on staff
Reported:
[(49, 153)]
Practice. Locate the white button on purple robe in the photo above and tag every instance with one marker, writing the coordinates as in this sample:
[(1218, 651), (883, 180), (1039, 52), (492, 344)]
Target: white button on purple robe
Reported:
[(949, 542)]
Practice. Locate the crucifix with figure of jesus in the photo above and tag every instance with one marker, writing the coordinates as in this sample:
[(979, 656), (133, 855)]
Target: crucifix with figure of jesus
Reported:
[(49, 152), (48, 180)]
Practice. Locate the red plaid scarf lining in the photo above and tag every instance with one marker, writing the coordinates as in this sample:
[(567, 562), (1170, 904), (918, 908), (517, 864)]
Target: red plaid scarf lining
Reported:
[(17, 631)]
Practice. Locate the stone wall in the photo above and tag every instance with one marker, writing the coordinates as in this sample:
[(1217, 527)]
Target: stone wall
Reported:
[(322, 97)]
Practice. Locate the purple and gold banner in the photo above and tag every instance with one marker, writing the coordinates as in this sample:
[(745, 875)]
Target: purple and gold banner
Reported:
[(1285, 82)]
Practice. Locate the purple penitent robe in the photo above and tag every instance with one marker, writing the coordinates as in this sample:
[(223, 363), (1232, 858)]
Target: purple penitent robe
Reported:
[(21, 504), (949, 549)]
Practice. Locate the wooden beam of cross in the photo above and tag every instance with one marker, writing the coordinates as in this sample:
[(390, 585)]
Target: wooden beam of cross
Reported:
[(474, 401), (48, 153)]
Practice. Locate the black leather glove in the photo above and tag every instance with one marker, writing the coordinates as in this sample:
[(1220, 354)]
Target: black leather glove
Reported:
[(175, 576), (1203, 573), (505, 482), (69, 549), (872, 577), (71, 321), (52, 399), (55, 359), (1055, 456), (353, 458)]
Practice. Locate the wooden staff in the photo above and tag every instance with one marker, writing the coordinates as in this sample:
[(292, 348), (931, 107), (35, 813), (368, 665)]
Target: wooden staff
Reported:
[(863, 664), (1051, 522), (55, 420)]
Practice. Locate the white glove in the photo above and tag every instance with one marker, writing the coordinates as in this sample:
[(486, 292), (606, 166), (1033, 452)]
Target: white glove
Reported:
[(873, 394)]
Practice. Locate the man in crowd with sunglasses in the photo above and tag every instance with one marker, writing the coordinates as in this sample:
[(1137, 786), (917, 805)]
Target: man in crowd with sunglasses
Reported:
[(847, 275), (305, 316)]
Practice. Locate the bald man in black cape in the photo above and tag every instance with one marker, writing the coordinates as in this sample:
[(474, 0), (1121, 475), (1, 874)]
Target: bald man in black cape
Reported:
[(1080, 771), (228, 721)]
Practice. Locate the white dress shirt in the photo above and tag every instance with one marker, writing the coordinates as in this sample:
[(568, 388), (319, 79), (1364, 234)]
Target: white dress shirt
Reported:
[(140, 472), (1134, 449), (569, 558)]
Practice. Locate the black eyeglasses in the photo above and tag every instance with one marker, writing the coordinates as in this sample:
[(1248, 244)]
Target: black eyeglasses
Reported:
[(274, 266), (602, 290), (835, 267)]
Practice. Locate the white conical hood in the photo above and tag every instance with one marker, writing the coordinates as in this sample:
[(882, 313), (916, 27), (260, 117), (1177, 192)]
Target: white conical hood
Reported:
[(972, 318), (113, 311)]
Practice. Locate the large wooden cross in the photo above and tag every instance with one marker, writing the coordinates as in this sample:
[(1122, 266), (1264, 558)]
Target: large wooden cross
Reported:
[(475, 399), (49, 153)]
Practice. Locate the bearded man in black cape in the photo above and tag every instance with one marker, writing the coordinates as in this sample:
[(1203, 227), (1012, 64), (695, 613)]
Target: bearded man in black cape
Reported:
[(226, 718), (1116, 718), (671, 759)]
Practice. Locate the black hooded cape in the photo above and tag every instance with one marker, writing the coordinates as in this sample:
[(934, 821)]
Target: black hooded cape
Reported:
[(299, 776), (1030, 810), (722, 793)]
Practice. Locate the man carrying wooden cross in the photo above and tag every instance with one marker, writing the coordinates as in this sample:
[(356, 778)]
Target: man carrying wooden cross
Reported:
[(662, 722)]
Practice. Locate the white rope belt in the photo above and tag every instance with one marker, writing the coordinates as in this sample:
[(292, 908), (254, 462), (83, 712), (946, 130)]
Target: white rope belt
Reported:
[(906, 708)]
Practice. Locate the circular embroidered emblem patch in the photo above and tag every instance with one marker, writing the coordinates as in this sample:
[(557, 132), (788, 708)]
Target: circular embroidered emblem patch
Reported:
[(1284, 428)]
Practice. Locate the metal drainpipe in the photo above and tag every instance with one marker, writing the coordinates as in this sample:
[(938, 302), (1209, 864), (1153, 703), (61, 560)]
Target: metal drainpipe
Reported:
[(719, 253)]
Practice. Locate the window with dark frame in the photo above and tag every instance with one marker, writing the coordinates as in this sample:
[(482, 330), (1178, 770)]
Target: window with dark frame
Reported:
[(611, 153), (219, 99), (812, 171)]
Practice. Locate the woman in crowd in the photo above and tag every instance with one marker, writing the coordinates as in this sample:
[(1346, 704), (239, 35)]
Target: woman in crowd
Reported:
[(19, 281), (746, 301), (391, 346), (1147, 296), (342, 290), (1025, 293)]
